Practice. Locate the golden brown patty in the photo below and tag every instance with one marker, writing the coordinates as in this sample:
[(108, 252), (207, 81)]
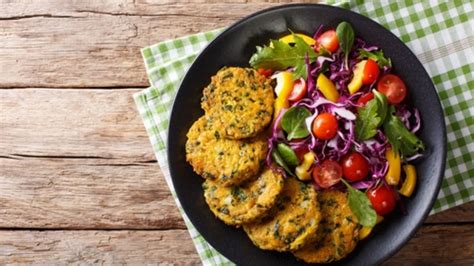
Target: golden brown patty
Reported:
[(230, 162), (291, 223), (241, 99), (338, 230), (245, 203)]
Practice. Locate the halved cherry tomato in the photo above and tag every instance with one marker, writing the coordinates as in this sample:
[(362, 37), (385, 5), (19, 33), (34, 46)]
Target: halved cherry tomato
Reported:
[(354, 166), (327, 174), (393, 87), (266, 72), (382, 199), (299, 90), (325, 126), (329, 40), (365, 98), (371, 72)]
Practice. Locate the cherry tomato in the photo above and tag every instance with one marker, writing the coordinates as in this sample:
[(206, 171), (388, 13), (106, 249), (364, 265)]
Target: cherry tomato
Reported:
[(371, 72), (299, 90), (266, 72), (325, 126), (382, 199), (365, 98), (354, 166), (327, 174), (329, 40), (393, 87)]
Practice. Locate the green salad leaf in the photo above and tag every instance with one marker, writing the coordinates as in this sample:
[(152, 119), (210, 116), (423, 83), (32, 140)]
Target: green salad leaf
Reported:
[(377, 56), (399, 136), (280, 56), (279, 160), (293, 122), (345, 35), (371, 116), (360, 205), (288, 155)]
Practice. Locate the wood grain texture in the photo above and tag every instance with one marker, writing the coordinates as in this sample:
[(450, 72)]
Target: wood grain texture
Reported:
[(97, 247), (175, 247), (79, 159), (97, 43)]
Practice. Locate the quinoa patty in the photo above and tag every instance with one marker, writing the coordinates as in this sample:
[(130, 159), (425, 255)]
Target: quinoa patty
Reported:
[(241, 99), (338, 230), (292, 223), (230, 162), (245, 203)]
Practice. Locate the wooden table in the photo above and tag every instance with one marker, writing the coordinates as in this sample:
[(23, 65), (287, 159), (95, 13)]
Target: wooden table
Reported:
[(78, 179)]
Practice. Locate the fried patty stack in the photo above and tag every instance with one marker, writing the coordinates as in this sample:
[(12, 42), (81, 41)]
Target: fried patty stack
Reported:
[(227, 147)]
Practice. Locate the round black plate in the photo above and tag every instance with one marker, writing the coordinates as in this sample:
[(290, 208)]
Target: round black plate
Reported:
[(234, 48)]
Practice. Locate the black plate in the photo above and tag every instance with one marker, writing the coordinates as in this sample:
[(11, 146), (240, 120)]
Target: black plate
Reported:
[(234, 48)]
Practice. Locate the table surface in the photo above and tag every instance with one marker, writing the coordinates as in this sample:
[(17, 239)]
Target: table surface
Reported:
[(78, 179)]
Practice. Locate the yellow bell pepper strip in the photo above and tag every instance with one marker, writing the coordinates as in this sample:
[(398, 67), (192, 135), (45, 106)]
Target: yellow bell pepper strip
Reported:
[(356, 82), (410, 180), (394, 167), (290, 39), (283, 90), (303, 170), (327, 88), (365, 231)]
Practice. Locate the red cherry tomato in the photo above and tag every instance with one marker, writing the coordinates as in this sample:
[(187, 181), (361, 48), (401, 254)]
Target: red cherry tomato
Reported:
[(266, 72), (325, 126), (354, 166), (371, 72), (329, 40), (299, 90), (327, 174), (365, 98), (393, 87), (382, 199)]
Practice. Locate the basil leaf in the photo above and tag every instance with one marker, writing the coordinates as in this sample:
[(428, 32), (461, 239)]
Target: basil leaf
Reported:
[(279, 160), (293, 122), (288, 155), (280, 56), (377, 56), (345, 35), (360, 205), (399, 136)]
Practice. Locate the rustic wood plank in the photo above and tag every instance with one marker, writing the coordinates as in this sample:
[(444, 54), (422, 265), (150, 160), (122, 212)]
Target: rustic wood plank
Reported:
[(97, 247), (438, 245), (73, 123), (432, 245), (97, 43), (461, 214), (79, 159), (84, 193)]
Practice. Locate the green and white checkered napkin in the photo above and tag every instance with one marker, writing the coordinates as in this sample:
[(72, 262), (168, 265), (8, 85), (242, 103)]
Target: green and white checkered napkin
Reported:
[(439, 33)]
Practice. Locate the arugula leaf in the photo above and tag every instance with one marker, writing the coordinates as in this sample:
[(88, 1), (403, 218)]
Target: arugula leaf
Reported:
[(360, 205), (399, 136), (377, 56), (287, 154), (345, 35), (371, 116), (280, 56), (279, 160), (293, 122)]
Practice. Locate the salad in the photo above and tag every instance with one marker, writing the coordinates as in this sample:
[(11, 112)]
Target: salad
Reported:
[(341, 119)]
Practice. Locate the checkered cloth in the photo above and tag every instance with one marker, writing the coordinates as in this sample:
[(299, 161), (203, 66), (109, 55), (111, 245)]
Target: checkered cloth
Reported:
[(440, 33)]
